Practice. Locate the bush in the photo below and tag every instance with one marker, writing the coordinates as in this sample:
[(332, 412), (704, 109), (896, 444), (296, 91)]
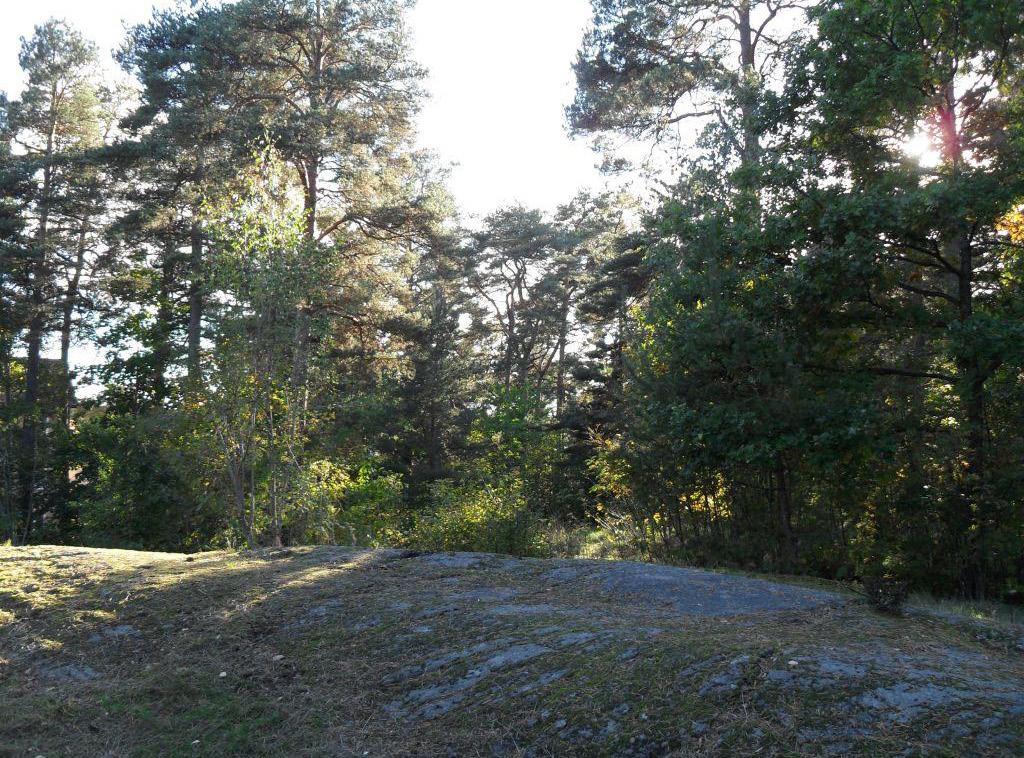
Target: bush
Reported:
[(591, 542), (332, 507), (887, 594), (479, 517), (885, 583), (135, 486), (371, 510)]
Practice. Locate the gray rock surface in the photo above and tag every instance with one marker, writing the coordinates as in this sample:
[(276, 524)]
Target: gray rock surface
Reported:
[(121, 631), (703, 593), (592, 658), (454, 560), (68, 672)]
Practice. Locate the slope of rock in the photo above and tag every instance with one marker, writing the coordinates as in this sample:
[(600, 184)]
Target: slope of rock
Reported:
[(336, 651)]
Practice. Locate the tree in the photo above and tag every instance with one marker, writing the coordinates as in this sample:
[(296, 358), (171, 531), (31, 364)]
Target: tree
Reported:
[(814, 373), (15, 186), (444, 375), (184, 146), (260, 272), (933, 267), (511, 269), (645, 68), (331, 85), (53, 124)]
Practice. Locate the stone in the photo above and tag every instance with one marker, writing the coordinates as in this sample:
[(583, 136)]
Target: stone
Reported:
[(453, 560), (69, 672), (486, 594), (902, 702), (575, 639), (728, 679), (522, 610), (704, 593), (121, 631), (516, 655), (562, 574)]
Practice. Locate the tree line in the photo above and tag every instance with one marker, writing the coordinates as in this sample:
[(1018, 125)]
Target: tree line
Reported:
[(801, 351)]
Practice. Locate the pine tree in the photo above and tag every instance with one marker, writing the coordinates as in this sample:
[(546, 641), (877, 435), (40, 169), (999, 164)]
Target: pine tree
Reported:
[(53, 124)]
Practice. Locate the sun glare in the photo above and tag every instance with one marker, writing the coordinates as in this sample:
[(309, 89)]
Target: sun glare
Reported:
[(921, 147)]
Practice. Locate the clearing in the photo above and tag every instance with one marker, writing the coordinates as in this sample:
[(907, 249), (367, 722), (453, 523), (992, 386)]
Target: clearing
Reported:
[(342, 651)]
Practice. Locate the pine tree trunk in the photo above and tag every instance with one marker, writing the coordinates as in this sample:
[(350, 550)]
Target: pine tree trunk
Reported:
[(300, 365), (162, 351), (67, 322), (7, 448), (30, 427), (195, 306), (971, 376), (560, 377), (748, 62), (784, 504), (34, 339), (68, 306), (972, 398)]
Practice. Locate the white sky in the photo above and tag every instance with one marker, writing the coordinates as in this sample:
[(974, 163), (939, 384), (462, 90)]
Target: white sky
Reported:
[(500, 77)]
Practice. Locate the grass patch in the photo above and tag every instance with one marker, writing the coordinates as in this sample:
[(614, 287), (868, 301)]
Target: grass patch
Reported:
[(979, 610)]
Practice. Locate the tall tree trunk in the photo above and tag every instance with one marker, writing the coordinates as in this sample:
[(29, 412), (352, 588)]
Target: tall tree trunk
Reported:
[(970, 373), (311, 180), (7, 446), (509, 359), (748, 72), (30, 426), (784, 504), (435, 446), (195, 305), (300, 365), (434, 383), (34, 339), (162, 351), (972, 397), (560, 376), (68, 306), (274, 464), (67, 321)]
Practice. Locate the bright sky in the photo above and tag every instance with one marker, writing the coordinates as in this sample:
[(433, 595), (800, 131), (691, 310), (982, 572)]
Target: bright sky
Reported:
[(500, 77)]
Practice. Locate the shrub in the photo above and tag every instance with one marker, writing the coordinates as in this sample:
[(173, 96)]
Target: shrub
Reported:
[(330, 506), (886, 593), (371, 510), (479, 517), (605, 541), (885, 583)]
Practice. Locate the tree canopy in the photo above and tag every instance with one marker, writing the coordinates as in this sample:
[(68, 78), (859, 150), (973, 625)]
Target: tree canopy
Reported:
[(802, 353)]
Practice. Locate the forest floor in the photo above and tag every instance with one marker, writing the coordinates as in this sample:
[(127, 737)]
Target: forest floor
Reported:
[(341, 651)]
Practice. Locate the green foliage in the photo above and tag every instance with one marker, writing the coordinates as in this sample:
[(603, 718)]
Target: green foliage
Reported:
[(886, 592), (332, 507), (816, 370), (474, 517), (805, 357), (52, 193), (135, 485)]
